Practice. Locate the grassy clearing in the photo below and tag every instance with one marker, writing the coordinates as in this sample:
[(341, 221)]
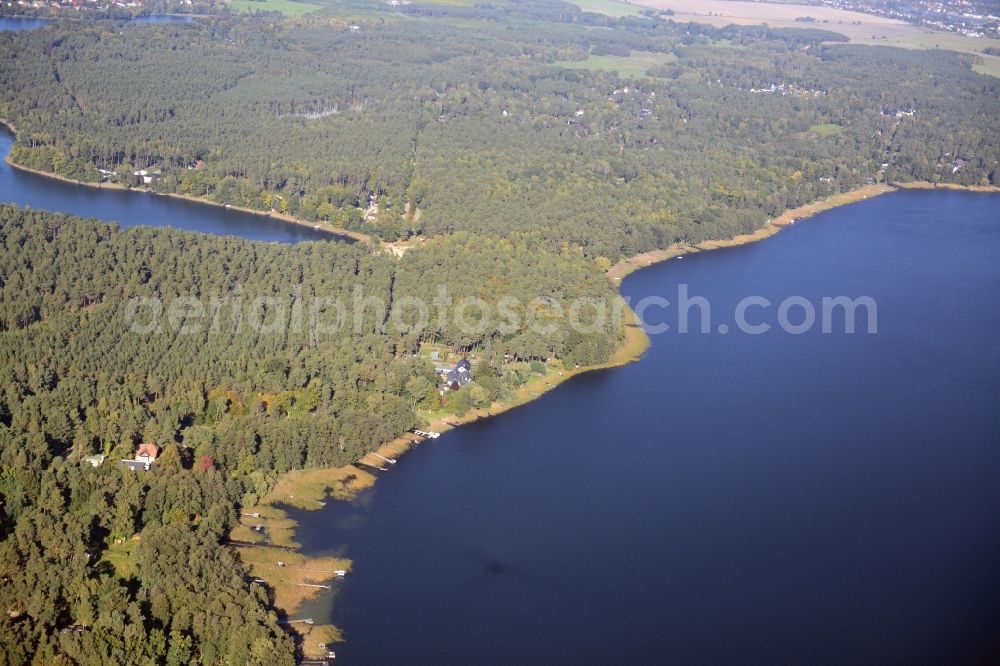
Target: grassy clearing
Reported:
[(293, 580), (287, 7), (614, 8), (121, 556), (632, 66), (826, 129)]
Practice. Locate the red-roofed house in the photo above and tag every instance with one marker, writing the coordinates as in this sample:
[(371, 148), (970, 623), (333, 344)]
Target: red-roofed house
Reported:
[(146, 453)]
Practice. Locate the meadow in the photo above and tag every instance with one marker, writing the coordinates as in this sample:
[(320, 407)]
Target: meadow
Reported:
[(287, 7), (633, 66), (609, 7)]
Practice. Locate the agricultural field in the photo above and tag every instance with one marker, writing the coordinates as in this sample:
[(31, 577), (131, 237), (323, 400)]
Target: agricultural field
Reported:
[(287, 7), (455, 3), (779, 15), (934, 39), (609, 7), (632, 66), (860, 28), (345, 9)]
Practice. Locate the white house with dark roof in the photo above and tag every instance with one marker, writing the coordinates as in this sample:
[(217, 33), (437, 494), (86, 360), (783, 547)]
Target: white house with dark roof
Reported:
[(461, 374)]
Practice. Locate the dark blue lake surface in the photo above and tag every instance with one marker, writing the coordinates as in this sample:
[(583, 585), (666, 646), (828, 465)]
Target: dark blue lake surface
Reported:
[(163, 18), (750, 499), (14, 23), (133, 208)]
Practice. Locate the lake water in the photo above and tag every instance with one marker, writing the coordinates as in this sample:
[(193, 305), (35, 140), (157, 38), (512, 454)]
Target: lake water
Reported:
[(134, 208), (751, 499), (14, 23), (163, 18)]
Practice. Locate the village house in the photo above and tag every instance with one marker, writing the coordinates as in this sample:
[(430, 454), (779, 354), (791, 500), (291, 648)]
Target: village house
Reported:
[(371, 213), (147, 176), (146, 453), (461, 374), (145, 456), (455, 376)]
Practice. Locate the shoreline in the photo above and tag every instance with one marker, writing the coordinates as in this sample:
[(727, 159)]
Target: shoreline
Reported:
[(635, 342), (311, 489), (788, 218), (627, 266), (281, 217), (634, 345)]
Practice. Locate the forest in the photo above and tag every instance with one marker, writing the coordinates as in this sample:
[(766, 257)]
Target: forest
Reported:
[(233, 406), (507, 142), (498, 128)]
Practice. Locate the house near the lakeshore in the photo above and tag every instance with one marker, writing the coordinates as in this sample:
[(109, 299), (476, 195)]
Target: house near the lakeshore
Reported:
[(461, 374), (146, 176), (455, 376)]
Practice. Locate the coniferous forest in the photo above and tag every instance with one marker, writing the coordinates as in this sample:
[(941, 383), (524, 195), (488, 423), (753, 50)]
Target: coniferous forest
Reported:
[(500, 126), (502, 139), (252, 392)]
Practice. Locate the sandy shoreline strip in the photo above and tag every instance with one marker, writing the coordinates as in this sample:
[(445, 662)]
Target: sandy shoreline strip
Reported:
[(789, 217), (626, 266)]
